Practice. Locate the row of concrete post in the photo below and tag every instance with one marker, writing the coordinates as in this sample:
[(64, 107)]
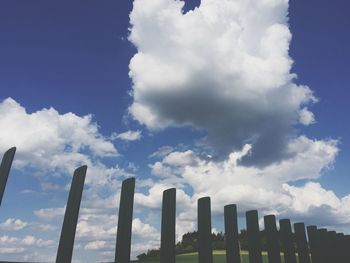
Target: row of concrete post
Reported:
[(316, 246)]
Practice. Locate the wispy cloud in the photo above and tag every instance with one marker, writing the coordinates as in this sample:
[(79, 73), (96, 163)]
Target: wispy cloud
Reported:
[(127, 136)]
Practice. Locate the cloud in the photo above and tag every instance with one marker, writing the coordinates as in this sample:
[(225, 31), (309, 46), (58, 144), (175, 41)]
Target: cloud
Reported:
[(50, 213), (46, 227), (12, 224), (12, 245), (180, 158), (127, 136), (313, 204), (96, 245), (51, 141), (224, 68), (98, 229), (306, 117), (162, 151), (269, 189), (54, 143), (94, 226)]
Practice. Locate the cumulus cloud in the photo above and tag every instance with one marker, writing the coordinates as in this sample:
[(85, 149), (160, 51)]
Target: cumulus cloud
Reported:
[(306, 117), (224, 68), (51, 141), (55, 143), (11, 224), (313, 204), (93, 225), (11, 245), (50, 213), (46, 227), (270, 189), (96, 245), (98, 231)]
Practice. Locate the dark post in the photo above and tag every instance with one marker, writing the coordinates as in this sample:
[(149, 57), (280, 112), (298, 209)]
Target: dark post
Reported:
[(65, 247), (287, 241), (322, 241), (253, 234), (346, 245), (332, 246), (167, 245), (273, 249), (302, 246), (314, 244), (231, 234), (5, 169), (123, 245), (205, 253), (341, 256)]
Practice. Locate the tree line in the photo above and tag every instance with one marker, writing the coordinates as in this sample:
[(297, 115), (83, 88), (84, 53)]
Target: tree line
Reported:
[(189, 244)]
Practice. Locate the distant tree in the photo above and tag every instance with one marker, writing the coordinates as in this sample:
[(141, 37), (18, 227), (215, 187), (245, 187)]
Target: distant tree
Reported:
[(142, 256), (189, 243)]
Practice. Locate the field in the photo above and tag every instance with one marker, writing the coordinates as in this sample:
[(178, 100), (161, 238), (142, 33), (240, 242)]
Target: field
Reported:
[(219, 257)]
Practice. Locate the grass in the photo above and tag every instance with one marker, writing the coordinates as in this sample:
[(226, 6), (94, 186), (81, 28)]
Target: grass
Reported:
[(219, 257)]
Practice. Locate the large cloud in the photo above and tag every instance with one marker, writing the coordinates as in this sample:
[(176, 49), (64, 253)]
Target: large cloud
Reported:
[(49, 140), (55, 143), (224, 68), (270, 189)]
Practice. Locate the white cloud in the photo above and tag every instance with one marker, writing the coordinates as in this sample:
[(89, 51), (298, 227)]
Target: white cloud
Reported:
[(11, 245), (268, 188), (306, 117), (54, 143), (161, 152), (48, 187), (46, 227), (50, 213), (94, 225), (127, 136), (223, 67), (144, 237), (51, 141), (11, 250), (96, 245), (311, 195), (140, 229), (158, 169), (180, 158), (12, 224), (97, 229)]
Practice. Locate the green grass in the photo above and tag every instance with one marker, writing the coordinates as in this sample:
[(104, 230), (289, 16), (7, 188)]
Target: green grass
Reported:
[(219, 257)]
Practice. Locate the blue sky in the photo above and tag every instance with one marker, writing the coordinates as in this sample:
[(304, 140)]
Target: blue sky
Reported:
[(213, 88)]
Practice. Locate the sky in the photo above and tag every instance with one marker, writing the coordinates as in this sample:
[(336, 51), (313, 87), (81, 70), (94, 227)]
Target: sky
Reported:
[(242, 101)]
